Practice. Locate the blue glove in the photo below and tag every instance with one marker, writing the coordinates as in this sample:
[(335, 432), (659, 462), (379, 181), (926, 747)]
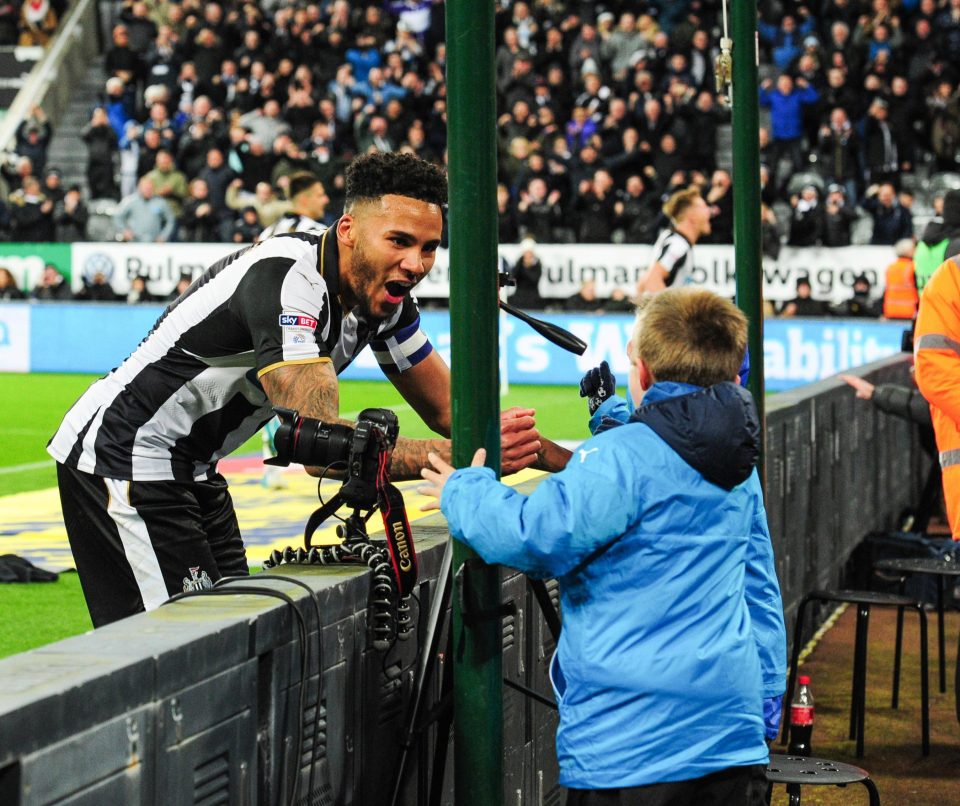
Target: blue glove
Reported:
[(772, 710), (597, 385)]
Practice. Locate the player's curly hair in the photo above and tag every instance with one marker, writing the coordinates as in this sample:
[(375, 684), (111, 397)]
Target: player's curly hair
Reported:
[(378, 174)]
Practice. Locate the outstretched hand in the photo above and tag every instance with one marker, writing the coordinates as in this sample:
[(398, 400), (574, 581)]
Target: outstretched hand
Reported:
[(439, 474), (863, 388), (519, 440)]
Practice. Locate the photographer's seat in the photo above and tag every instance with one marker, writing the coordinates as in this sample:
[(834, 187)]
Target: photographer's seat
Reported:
[(864, 600), (796, 771)]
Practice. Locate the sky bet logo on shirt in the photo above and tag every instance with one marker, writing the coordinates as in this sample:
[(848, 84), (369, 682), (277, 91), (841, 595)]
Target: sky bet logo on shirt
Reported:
[(296, 320)]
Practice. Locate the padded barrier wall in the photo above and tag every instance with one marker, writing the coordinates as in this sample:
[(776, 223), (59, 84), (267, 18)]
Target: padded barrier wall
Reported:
[(199, 701)]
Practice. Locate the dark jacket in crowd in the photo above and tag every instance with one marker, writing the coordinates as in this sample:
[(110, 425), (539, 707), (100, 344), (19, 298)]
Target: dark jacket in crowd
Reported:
[(71, 226), (890, 224), (837, 226)]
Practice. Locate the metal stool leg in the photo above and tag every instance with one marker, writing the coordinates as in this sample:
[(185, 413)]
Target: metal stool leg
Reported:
[(855, 677), (940, 638), (895, 698), (794, 791), (956, 682), (924, 683), (872, 789), (792, 676), (860, 684)]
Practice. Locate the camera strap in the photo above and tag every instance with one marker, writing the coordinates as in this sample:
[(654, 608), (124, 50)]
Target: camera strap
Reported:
[(403, 555)]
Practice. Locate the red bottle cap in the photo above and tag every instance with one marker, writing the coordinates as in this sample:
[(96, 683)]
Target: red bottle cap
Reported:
[(803, 680)]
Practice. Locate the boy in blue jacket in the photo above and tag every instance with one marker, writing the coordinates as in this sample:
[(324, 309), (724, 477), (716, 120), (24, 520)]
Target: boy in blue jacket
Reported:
[(673, 633)]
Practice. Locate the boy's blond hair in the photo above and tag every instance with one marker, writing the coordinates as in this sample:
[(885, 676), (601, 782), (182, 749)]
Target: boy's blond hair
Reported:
[(677, 204), (691, 335)]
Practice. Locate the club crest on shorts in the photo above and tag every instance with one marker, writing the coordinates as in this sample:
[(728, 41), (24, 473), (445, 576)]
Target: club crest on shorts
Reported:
[(197, 581)]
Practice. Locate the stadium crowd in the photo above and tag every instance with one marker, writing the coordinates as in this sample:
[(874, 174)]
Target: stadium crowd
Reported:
[(605, 108)]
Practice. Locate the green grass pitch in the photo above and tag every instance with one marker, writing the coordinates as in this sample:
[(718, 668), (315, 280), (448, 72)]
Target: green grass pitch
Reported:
[(32, 406)]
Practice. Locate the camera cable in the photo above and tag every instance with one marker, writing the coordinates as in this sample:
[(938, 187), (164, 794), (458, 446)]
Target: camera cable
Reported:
[(262, 590), (315, 600)]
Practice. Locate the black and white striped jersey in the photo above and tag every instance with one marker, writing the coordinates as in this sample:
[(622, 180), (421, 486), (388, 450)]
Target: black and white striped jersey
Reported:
[(675, 254), (191, 393), (291, 222)]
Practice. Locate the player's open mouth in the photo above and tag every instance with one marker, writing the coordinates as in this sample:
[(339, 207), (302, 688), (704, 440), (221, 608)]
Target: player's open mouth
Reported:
[(396, 291)]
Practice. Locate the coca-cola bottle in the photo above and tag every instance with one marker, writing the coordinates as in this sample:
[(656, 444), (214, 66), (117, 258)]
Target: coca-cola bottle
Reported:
[(801, 719)]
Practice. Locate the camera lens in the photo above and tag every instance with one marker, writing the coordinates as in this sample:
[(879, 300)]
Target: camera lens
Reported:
[(310, 441), (321, 444)]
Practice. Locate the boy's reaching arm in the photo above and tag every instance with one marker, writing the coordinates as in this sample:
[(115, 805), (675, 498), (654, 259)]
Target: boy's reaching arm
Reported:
[(546, 534)]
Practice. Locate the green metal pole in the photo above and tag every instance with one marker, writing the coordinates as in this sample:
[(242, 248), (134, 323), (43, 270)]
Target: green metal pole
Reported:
[(471, 122), (746, 198)]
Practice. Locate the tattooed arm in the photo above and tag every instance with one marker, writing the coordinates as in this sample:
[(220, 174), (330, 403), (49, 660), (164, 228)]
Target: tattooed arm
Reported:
[(314, 391)]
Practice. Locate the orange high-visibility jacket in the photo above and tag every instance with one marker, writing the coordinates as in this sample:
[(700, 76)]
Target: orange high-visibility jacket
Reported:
[(900, 295), (936, 345)]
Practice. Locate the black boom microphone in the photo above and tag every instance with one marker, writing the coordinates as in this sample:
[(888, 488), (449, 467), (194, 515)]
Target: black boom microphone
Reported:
[(557, 335)]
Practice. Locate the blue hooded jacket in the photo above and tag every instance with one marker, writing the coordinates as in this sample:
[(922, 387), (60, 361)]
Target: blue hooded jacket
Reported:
[(672, 619)]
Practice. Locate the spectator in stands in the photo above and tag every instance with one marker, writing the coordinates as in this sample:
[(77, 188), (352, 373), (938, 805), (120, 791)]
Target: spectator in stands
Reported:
[(138, 293), (620, 47), (38, 22), (70, 217), (637, 213), (594, 207), (264, 200), (168, 182), (31, 213), (51, 287), (96, 289), (891, 220), (9, 23), (9, 290), (804, 304), (786, 103), (786, 39), (838, 147), (838, 217), (102, 144), (144, 217), (861, 303), (585, 300), (52, 185), (218, 177), (806, 220), (119, 106), (199, 222), (769, 233), (880, 152), (120, 60), (539, 212), (526, 274), (33, 138), (508, 222), (720, 198), (182, 285)]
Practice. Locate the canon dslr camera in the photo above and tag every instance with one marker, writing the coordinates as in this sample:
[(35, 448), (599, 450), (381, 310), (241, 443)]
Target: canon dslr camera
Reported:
[(362, 451)]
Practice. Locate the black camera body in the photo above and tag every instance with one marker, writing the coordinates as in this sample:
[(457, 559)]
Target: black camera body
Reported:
[(362, 451)]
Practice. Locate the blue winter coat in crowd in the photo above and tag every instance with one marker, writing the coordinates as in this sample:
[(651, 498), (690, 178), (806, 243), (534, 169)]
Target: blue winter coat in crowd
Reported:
[(672, 619), (786, 111), (784, 46)]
